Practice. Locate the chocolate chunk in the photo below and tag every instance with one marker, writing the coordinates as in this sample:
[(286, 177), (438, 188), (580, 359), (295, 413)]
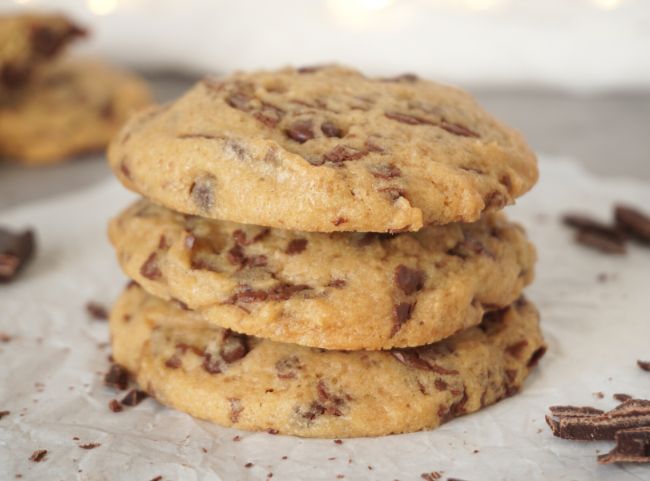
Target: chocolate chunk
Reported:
[(117, 377), (134, 397), (212, 364), (15, 252), (38, 456), (301, 131), (386, 171), (157, 478), (536, 356), (96, 311), (601, 242), (4, 413), (632, 446), (408, 280), (633, 222), (202, 192), (469, 247), (633, 413), (401, 313), (234, 346), (645, 365), (574, 411), (330, 129), (343, 153), (150, 268), (410, 358), (239, 101), (455, 410), (284, 291), (516, 349), (269, 115), (89, 445), (296, 246), (115, 406), (173, 362)]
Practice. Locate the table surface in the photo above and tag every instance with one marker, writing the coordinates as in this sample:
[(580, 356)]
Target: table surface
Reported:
[(607, 132)]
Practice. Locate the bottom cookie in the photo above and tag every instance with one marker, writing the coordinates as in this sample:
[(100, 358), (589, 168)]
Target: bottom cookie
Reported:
[(255, 384)]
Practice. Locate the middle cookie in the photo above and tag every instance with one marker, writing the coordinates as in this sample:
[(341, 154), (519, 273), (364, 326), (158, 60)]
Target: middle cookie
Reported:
[(333, 291)]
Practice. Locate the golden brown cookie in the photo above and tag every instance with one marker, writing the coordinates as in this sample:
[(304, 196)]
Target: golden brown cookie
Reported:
[(67, 109), (324, 150), (335, 291), (28, 40), (253, 384)]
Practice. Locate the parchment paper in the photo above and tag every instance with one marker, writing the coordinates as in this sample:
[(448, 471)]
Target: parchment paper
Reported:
[(51, 369)]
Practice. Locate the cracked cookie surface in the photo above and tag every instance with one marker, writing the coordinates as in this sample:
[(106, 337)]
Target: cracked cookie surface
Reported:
[(324, 150), (67, 109), (336, 291), (253, 384)]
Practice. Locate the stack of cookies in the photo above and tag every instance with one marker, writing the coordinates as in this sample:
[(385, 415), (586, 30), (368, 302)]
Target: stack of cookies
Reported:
[(52, 109), (319, 253)]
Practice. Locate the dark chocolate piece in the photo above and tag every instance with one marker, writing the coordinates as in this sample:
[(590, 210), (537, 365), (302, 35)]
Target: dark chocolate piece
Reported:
[(16, 249)]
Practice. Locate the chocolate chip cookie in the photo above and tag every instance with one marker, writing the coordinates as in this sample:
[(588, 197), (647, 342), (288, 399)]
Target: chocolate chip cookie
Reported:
[(335, 291), (324, 149), (260, 385), (67, 109), (28, 40)]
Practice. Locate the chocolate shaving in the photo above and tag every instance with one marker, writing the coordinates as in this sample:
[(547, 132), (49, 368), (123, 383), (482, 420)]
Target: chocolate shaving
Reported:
[(632, 221), (598, 241), (89, 445), (632, 446), (4, 413), (633, 413), (38, 456), (134, 397), (343, 153), (96, 311), (16, 249)]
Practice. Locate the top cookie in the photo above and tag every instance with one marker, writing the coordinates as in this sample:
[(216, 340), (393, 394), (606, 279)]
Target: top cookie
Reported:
[(26, 40), (324, 149)]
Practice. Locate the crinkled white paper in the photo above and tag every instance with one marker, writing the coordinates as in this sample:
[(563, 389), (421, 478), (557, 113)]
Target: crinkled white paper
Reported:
[(51, 370)]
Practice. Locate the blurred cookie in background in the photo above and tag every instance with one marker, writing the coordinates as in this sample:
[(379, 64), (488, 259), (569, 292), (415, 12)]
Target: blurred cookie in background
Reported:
[(30, 39), (67, 109)]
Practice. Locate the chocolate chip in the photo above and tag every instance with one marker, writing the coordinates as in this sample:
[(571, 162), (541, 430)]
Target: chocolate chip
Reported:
[(386, 171), (234, 346), (115, 406), (16, 249), (157, 478), (301, 131), (134, 397), (457, 129), (269, 115), (38, 456), (202, 192), (632, 446), (536, 356), (330, 129), (645, 365), (517, 348), (4, 413), (117, 377), (96, 311), (407, 119), (296, 246), (408, 280), (633, 221), (401, 313), (212, 364), (343, 153), (410, 358), (239, 101), (150, 268), (173, 362)]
